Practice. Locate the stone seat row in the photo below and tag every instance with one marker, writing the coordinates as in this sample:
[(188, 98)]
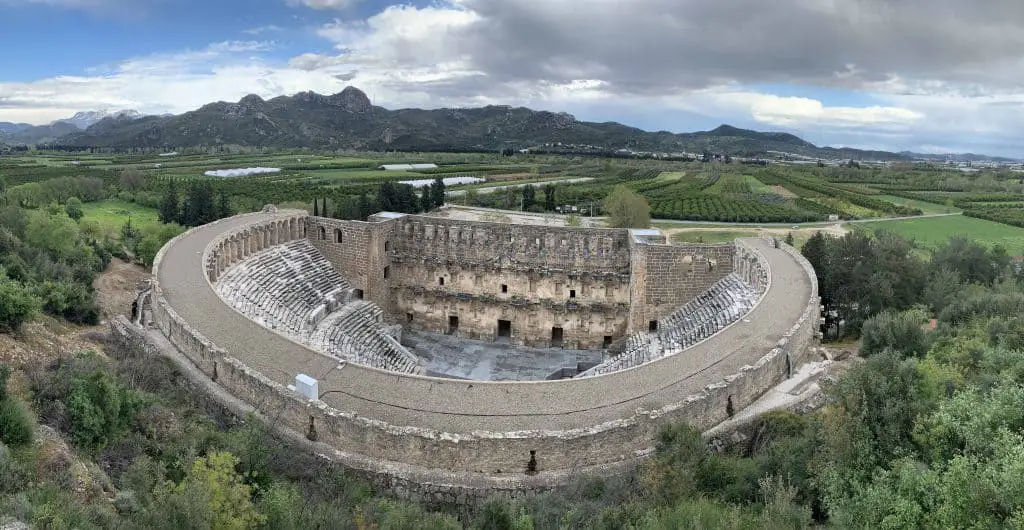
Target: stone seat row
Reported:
[(354, 333), (722, 304), (293, 289), (288, 287)]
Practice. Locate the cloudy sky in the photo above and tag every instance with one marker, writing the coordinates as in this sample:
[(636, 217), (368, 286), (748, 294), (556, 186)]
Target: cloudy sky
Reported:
[(922, 75)]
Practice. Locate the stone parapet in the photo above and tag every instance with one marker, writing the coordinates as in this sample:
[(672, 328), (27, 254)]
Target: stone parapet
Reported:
[(478, 430)]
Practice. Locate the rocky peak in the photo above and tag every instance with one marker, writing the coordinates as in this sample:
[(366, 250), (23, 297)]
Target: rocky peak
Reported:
[(309, 97), (252, 100), (354, 100)]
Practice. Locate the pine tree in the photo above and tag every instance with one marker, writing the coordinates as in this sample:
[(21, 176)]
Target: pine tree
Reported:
[(387, 197), (223, 208), (316, 207), (529, 197), (364, 207), (169, 210), (198, 208), (549, 197), (426, 201), (407, 200), (437, 192)]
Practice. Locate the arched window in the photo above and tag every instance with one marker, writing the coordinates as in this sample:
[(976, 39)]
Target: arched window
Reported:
[(323, 233), (337, 235)]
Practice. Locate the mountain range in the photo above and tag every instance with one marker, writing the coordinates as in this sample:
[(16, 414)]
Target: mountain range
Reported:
[(53, 132), (348, 120)]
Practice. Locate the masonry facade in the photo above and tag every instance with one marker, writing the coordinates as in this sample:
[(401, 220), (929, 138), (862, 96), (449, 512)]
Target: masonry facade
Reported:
[(466, 432), (578, 288)]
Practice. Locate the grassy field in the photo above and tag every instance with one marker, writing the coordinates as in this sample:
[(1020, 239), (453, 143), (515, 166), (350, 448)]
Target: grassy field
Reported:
[(925, 207), (934, 231), (671, 176), (113, 213), (757, 186)]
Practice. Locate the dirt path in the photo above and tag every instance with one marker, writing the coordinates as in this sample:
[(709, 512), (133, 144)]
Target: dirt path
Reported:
[(836, 229), (117, 286), (47, 338)]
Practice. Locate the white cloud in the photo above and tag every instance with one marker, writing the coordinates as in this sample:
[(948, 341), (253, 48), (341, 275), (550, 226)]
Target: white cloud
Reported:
[(591, 54)]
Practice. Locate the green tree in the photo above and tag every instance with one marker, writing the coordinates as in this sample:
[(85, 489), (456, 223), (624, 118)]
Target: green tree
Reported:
[(387, 197), (406, 200), (426, 201), (73, 208), (626, 209), (897, 331), (529, 197), (131, 180), (789, 239), (153, 239), (170, 211), (437, 192), (223, 208), (100, 407), (365, 208), (57, 234), (224, 499), (198, 208), (973, 262), (549, 197)]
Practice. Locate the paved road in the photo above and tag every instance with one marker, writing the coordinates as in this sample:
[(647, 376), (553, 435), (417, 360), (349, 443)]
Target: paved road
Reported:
[(802, 225), (467, 406)]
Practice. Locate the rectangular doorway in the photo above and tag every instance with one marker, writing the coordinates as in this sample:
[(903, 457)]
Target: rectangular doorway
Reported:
[(504, 331), (453, 325), (556, 337), (607, 342)]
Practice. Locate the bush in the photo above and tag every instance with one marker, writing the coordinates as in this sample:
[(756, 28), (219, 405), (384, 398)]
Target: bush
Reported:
[(17, 304), (100, 407), (14, 475), (16, 425), (72, 301), (900, 331)]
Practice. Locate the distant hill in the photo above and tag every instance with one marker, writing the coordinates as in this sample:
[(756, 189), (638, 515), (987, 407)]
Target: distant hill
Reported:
[(39, 134), (349, 120), (7, 127), (84, 120)]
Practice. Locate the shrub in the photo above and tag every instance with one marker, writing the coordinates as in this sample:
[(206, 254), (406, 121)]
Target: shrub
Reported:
[(72, 301), (17, 304), (899, 331), (100, 408), (14, 475), (16, 425)]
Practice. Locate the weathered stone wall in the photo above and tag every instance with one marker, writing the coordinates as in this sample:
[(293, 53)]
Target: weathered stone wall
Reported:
[(667, 276), (237, 246), (356, 250), (490, 428), (428, 271)]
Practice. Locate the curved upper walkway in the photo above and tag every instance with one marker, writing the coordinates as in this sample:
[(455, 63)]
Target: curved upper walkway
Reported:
[(464, 407)]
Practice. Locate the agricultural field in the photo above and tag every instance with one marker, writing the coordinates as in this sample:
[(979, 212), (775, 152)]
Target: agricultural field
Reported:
[(351, 185), (933, 231), (112, 214), (927, 208)]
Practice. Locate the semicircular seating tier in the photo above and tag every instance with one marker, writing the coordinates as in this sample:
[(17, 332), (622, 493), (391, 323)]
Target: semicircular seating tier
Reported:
[(293, 289), (725, 302)]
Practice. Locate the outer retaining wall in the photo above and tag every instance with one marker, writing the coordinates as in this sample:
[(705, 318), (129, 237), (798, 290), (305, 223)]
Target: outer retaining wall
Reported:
[(496, 457)]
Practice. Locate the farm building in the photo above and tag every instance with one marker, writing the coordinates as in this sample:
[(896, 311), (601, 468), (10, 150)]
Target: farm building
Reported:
[(406, 167)]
